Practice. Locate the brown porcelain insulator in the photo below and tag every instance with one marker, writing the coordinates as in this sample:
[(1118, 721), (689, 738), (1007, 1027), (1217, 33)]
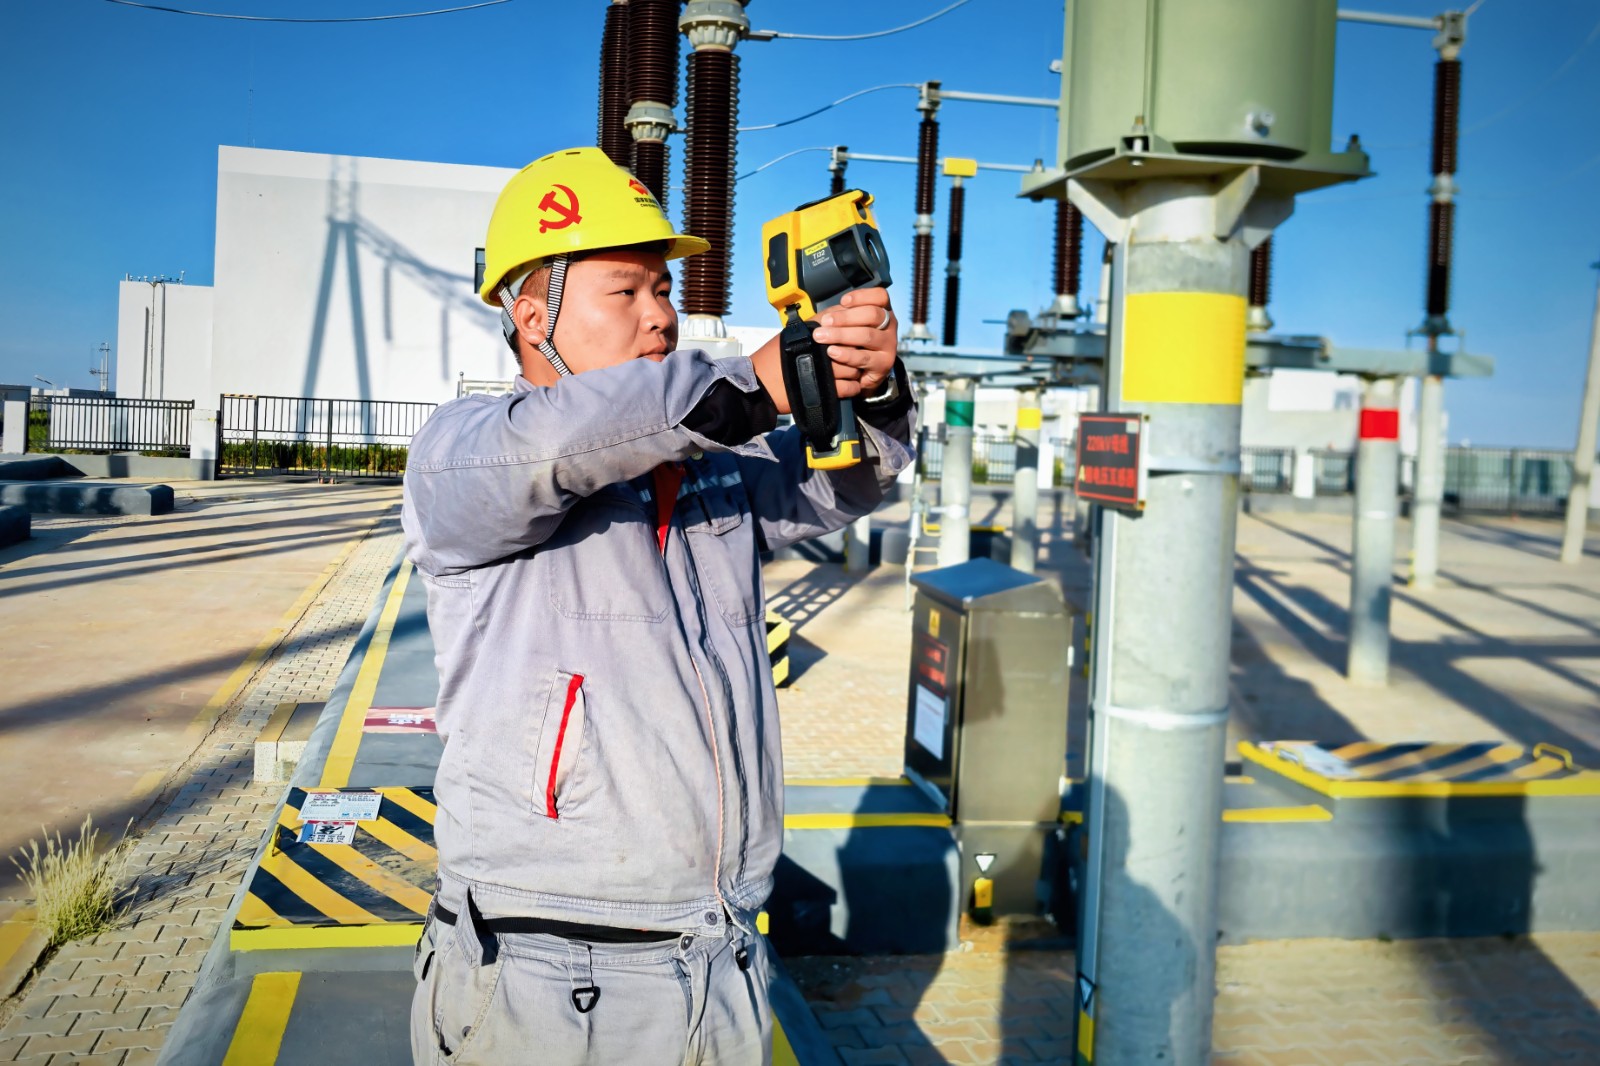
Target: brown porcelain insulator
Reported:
[(708, 178), (922, 244), (1441, 224), (653, 51), (1069, 248), (1261, 274), (952, 279), (650, 167), (1446, 114), (612, 136)]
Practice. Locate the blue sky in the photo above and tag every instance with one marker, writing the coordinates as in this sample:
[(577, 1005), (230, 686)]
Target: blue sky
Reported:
[(110, 119)]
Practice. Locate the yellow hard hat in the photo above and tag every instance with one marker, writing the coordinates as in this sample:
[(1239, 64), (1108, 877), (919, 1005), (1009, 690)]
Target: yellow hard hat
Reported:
[(576, 200)]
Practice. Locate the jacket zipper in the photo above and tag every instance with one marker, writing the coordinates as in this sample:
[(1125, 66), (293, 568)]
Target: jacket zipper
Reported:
[(711, 728)]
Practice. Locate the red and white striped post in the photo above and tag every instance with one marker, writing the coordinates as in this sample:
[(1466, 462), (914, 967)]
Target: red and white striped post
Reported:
[(1372, 555)]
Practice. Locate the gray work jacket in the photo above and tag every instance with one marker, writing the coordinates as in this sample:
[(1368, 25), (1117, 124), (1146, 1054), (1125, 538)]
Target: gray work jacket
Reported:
[(611, 746)]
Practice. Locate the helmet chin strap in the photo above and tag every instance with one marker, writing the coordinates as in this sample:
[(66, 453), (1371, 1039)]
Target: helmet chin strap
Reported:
[(558, 280)]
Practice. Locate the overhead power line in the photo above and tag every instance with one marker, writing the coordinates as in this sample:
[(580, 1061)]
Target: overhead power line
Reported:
[(781, 158), (825, 107), (276, 18), (767, 35)]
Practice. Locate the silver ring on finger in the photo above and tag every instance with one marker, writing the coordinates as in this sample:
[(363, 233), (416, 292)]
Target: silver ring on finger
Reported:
[(887, 316)]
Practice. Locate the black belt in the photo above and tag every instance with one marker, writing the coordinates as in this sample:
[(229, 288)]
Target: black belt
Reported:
[(599, 934)]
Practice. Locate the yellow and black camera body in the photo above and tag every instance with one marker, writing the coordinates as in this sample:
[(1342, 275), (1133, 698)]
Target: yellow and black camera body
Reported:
[(814, 255)]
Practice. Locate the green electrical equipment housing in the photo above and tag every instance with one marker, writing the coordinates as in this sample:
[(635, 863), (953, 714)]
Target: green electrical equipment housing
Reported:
[(1189, 88)]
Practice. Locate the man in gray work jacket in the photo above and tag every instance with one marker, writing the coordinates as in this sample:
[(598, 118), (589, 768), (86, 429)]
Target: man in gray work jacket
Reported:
[(610, 794)]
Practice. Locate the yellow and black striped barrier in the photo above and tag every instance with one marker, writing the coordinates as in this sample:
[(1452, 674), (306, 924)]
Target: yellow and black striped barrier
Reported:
[(778, 632), (372, 892), (1369, 769)]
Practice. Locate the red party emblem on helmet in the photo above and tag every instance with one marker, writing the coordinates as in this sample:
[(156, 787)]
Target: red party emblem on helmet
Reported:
[(638, 186), (566, 214)]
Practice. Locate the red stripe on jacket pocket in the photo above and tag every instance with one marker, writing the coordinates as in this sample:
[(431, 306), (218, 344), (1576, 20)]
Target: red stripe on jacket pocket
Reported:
[(573, 687)]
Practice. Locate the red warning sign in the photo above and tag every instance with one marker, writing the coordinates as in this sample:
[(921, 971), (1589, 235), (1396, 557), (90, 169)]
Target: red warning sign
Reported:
[(1110, 467)]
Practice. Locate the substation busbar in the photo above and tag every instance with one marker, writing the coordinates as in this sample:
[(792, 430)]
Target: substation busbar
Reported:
[(1185, 172)]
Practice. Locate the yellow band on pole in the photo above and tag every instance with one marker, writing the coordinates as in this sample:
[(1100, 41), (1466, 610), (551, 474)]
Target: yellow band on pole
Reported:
[(1183, 347), (1029, 418)]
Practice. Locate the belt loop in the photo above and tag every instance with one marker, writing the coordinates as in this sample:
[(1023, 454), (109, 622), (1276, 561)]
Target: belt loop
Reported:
[(471, 921), (585, 997)]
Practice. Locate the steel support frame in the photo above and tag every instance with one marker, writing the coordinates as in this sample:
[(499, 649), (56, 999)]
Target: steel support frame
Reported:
[(1163, 602)]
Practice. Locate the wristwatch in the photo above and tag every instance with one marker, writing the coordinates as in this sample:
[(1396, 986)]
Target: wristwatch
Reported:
[(888, 390)]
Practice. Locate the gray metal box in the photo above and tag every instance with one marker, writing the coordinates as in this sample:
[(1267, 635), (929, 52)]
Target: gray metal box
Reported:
[(986, 715)]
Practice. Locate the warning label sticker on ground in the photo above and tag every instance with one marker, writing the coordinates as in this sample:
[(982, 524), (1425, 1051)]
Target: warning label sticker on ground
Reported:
[(357, 805), (327, 833)]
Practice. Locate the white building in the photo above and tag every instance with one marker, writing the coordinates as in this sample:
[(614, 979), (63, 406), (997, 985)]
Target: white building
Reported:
[(336, 276)]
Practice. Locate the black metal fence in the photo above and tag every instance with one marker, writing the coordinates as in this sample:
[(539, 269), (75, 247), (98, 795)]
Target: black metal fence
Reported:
[(109, 424), (994, 459), (1506, 480), (1266, 469), (298, 434)]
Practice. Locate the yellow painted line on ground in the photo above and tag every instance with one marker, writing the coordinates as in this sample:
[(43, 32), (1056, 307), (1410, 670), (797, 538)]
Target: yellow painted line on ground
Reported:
[(1359, 748), (363, 869), (1311, 812), (254, 912), (1378, 771), (782, 1053), (411, 803), (309, 937), (259, 1034), (400, 840), (241, 674), (342, 755), (843, 782), (314, 892), (863, 821), (14, 934), (1500, 756), (1579, 784)]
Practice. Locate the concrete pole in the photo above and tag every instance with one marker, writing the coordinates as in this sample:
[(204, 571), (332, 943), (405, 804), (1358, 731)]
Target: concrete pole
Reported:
[(955, 476), (1372, 556), (1428, 496), (1163, 606), (858, 545), (1583, 457), (1025, 483)]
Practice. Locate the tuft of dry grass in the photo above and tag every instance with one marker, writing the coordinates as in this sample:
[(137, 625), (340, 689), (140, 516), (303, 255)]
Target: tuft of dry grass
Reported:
[(74, 884)]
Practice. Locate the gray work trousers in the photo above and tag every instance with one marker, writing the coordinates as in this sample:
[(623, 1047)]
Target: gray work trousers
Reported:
[(503, 999)]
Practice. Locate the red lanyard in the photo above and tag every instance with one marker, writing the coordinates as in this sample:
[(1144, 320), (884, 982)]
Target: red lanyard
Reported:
[(668, 477)]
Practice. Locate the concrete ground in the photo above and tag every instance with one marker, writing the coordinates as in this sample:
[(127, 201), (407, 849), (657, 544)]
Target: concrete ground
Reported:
[(1505, 648), (125, 638), (303, 562)]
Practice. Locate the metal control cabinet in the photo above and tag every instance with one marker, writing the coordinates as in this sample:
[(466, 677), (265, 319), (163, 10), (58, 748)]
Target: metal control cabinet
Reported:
[(986, 717)]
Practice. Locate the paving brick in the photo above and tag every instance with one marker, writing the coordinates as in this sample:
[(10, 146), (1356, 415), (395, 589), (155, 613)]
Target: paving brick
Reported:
[(59, 1045), (119, 1039), (65, 1005), (108, 1058), (94, 1022)]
